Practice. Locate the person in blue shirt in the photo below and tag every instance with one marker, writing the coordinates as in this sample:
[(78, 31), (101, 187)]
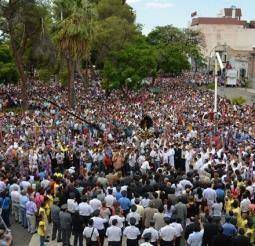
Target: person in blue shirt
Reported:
[(220, 193), (5, 203), (229, 229), (118, 194), (22, 202), (124, 202)]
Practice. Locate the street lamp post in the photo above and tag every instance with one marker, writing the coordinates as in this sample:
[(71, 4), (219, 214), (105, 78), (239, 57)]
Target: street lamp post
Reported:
[(217, 58), (215, 87)]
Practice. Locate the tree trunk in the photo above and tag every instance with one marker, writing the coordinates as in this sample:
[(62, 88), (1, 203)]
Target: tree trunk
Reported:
[(78, 67), (70, 69), (195, 72), (86, 72), (23, 77)]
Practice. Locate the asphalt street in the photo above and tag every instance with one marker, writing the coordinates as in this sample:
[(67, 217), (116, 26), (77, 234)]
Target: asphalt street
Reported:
[(20, 235)]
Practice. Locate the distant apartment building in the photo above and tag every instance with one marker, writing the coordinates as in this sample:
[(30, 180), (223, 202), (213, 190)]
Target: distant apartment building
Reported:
[(233, 37)]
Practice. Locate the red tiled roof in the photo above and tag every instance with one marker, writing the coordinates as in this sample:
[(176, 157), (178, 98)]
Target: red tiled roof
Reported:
[(216, 21), (228, 12)]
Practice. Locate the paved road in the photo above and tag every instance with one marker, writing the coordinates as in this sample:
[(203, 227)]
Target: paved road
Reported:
[(231, 92), (20, 235)]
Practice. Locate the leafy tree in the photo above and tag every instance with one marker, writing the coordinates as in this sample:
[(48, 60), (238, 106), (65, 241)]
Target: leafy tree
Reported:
[(113, 34), (21, 21), (74, 37), (129, 68), (115, 29), (165, 35), (194, 41), (175, 46), (8, 71), (172, 59), (108, 8)]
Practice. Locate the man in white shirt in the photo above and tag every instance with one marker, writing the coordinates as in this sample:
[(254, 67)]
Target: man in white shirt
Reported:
[(132, 233), (171, 154), (91, 233), (99, 225), (45, 183), (178, 228), (72, 205), (245, 203), (114, 234), (154, 234), (13, 185), (24, 184), (15, 197), (119, 219), (167, 233), (133, 214), (95, 204), (165, 156), (85, 210), (210, 195), (145, 167), (109, 199)]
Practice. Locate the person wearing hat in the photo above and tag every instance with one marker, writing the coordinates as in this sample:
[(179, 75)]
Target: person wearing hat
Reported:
[(154, 235), (147, 238), (65, 224), (114, 234), (91, 234), (56, 229), (132, 233), (167, 234), (133, 214)]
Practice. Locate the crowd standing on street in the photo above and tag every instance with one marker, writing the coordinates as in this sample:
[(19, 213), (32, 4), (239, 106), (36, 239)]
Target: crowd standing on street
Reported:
[(142, 168)]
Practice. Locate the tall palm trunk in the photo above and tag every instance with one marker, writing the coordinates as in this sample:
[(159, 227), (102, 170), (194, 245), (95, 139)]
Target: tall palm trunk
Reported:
[(70, 69), (78, 68)]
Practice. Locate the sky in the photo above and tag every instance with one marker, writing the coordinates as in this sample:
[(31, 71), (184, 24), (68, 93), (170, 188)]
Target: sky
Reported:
[(152, 13)]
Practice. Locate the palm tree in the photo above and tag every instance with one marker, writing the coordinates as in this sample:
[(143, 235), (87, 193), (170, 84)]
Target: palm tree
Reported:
[(74, 37)]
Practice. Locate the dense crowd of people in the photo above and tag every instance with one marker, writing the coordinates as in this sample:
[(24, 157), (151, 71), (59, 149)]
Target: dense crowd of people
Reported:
[(152, 167)]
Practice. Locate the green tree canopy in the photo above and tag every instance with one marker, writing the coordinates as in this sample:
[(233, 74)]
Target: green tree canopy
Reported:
[(129, 67), (8, 71)]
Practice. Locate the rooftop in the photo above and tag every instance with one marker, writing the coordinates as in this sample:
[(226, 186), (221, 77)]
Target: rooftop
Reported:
[(217, 21), (228, 12)]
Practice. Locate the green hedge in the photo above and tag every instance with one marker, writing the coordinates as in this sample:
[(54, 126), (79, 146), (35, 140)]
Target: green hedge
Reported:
[(238, 101)]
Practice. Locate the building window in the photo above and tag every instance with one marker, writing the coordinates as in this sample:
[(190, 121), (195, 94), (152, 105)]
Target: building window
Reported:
[(242, 73), (224, 58)]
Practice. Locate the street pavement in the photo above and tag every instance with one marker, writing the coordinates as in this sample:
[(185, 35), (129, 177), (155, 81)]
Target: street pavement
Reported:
[(21, 237), (232, 92)]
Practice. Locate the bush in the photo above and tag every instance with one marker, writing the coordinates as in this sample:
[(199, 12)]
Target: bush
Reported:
[(238, 101), (63, 77), (210, 86), (247, 83), (44, 74)]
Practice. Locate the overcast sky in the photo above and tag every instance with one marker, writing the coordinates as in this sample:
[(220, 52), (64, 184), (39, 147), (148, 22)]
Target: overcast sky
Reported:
[(151, 13)]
